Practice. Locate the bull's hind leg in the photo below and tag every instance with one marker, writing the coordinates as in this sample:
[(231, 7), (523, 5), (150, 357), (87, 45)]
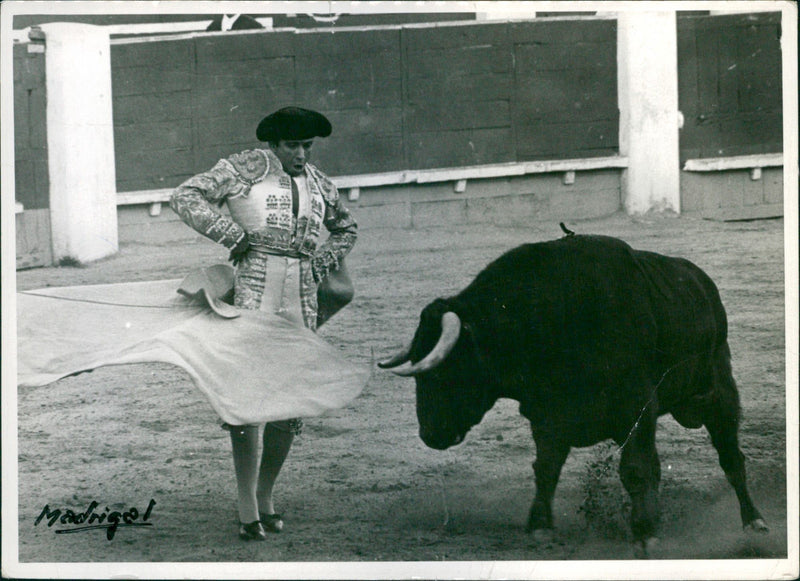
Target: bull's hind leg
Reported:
[(721, 418), (551, 453), (640, 472)]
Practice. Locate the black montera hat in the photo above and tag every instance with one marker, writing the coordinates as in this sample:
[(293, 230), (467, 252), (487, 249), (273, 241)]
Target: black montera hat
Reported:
[(293, 123)]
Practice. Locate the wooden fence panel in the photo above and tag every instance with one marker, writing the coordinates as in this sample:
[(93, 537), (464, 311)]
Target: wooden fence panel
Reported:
[(729, 84), (32, 182), (32, 187), (566, 89), (238, 77), (399, 98), (152, 95), (459, 89), (355, 78)]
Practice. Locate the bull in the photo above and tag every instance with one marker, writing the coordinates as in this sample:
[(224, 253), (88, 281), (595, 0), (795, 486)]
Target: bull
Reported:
[(595, 340)]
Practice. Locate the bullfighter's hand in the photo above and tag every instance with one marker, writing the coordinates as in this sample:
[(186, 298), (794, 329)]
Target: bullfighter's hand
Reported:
[(239, 251)]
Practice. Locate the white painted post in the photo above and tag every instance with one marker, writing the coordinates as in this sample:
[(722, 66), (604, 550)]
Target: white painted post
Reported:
[(647, 59), (80, 142)]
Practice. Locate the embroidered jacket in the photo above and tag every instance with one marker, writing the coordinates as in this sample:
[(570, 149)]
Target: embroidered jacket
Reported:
[(258, 194)]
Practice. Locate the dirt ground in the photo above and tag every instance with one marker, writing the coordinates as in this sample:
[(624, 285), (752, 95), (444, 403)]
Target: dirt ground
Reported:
[(359, 485)]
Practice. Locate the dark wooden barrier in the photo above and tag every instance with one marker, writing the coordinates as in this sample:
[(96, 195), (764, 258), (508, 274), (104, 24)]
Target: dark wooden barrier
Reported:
[(30, 128), (32, 181), (399, 97), (729, 79), (410, 97)]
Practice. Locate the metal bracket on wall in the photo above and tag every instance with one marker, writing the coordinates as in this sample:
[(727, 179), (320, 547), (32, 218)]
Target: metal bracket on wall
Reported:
[(460, 186), (155, 209), (569, 178), (354, 194)]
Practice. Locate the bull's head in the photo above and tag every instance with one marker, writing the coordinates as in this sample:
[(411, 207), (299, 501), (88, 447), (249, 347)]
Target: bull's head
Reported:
[(452, 388)]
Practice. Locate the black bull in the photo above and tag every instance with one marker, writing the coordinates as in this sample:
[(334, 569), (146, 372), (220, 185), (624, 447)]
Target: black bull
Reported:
[(595, 340)]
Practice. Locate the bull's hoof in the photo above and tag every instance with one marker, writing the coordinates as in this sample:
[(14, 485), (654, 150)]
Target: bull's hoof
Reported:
[(757, 526), (543, 535), (643, 548)]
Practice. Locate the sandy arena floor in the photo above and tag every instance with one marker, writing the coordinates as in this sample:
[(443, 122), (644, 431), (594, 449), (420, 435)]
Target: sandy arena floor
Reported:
[(359, 485)]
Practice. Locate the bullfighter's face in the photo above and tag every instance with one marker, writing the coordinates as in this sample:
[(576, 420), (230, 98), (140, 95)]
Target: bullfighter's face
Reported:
[(294, 155)]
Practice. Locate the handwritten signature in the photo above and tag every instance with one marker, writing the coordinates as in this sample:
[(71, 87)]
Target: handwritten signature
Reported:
[(108, 520)]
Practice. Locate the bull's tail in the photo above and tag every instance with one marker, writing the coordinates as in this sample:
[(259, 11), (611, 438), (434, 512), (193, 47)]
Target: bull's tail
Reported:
[(566, 230)]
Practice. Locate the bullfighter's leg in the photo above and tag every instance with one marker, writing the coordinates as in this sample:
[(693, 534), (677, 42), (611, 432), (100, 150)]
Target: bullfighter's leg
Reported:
[(277, 442), (244, 440), (721, 418), (551, 453), (640, 472)]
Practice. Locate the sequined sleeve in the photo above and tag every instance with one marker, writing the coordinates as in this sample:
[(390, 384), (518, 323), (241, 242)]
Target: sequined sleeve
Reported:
[(195, 199), (343, 233)]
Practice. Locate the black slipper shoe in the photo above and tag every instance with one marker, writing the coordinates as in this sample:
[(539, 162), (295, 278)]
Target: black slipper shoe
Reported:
[(253, 531), (272, 523)]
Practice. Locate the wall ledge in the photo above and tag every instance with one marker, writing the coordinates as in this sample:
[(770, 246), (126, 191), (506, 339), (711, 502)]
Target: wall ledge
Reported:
[(424, 176), (734, 162)]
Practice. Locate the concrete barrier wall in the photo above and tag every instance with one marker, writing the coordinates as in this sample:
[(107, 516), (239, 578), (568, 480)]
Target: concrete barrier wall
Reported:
[(734, 194)]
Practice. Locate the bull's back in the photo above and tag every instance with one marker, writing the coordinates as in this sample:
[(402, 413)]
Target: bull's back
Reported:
[(567, 311), (593, 301), (561, 281), (686, 305)]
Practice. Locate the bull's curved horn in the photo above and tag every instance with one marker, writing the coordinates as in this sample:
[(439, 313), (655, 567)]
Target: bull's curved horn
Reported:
[(451, 329), (395, 360)]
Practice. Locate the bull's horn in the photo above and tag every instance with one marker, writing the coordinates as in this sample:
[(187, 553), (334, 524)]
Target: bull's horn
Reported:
[(451, 328), (397, 359)]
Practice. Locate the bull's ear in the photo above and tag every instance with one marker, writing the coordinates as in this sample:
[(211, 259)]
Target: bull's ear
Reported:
[(471, 338), (430, 320), (436, 309)]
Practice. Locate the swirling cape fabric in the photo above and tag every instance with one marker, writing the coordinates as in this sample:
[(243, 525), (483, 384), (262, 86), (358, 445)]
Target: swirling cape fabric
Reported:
[(255, 368)]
